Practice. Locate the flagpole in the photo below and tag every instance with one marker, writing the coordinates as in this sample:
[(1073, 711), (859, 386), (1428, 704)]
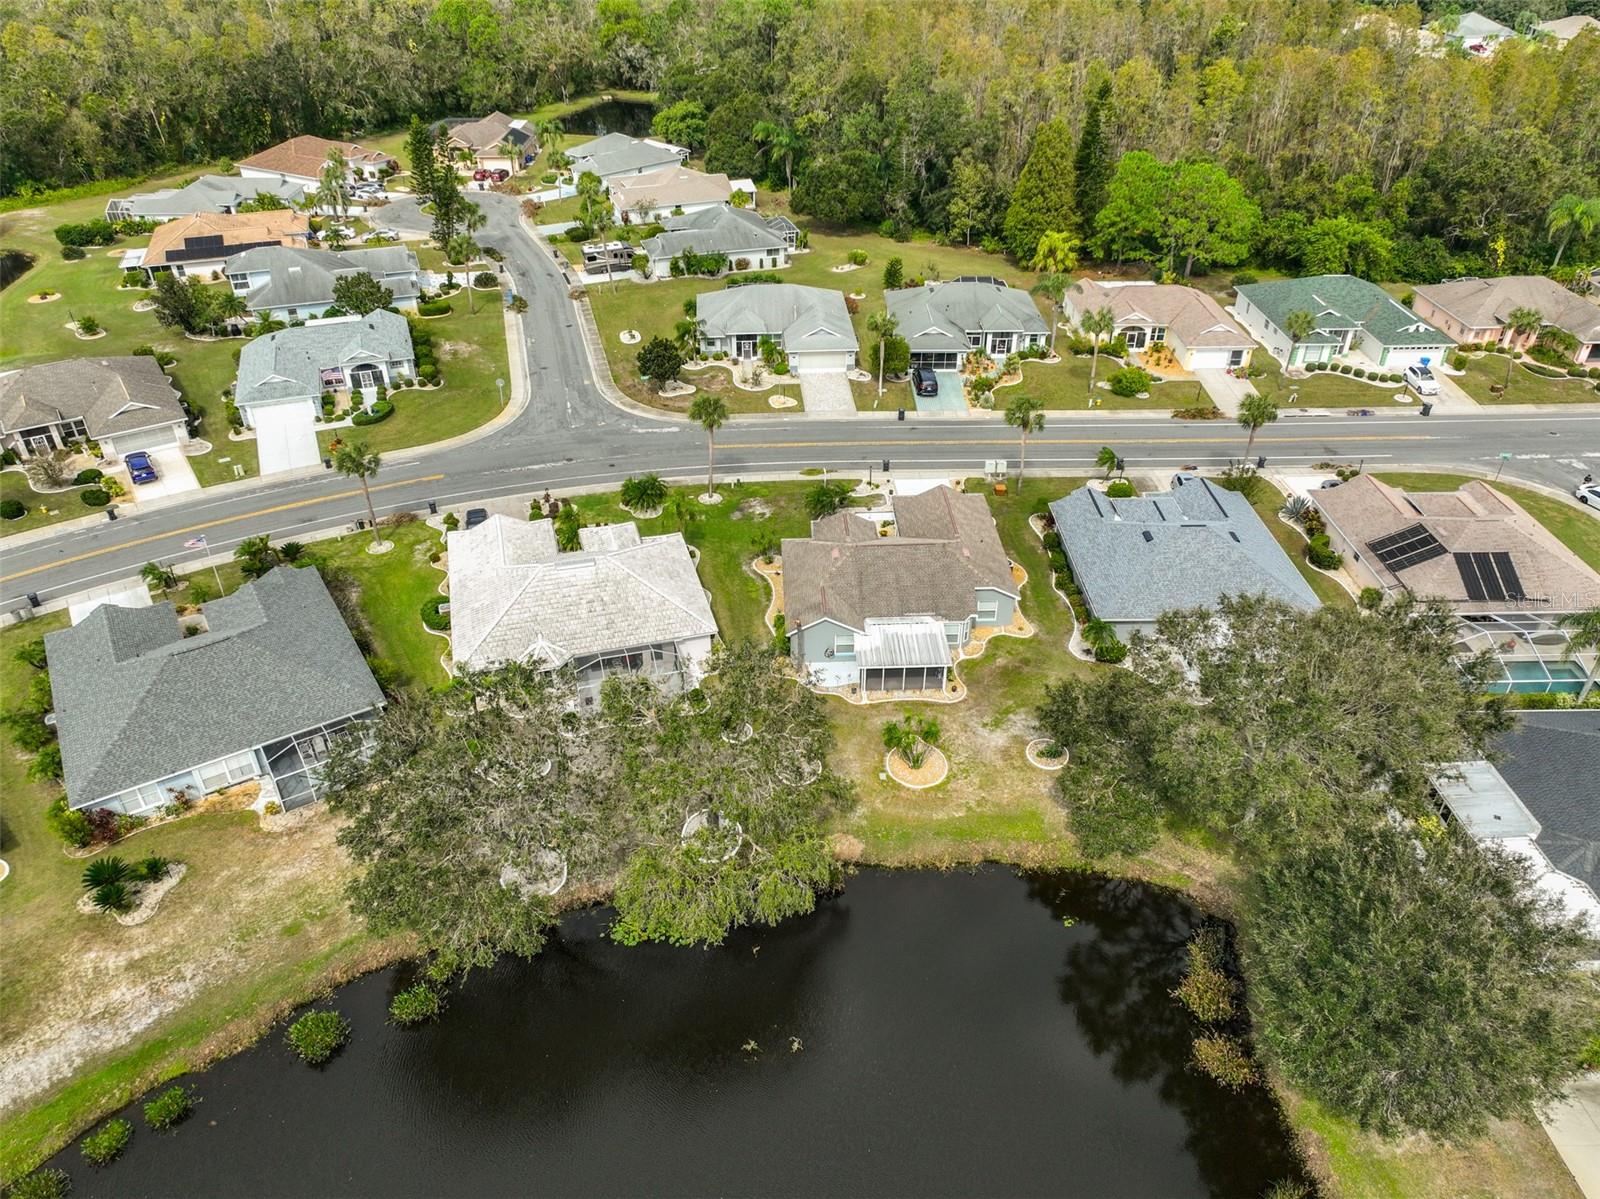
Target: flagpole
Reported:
[(200, 543)]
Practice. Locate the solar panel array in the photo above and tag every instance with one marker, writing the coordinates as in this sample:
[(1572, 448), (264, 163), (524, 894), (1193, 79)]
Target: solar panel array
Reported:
[(1489, 576), (990, 279), (1411, 545)]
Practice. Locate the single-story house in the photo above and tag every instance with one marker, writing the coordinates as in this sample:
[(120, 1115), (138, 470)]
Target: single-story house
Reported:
[(809, 324), (209, 193), (892, 613), (296, 284), (620, 604), (944, 322), (1348, 316), (301, 159), (1134, 559), (1477, 34), (671, 191), (149, 715), (200, 245), (1539, 800), (494, 143), (124, 404), (1503, 573), (296, 365), (1476, 310), (745, 237), (1563, 29), (1200, 334), (617, 154)]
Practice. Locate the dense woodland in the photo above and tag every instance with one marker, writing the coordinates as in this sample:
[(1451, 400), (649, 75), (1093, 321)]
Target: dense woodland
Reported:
[(1351, 148)]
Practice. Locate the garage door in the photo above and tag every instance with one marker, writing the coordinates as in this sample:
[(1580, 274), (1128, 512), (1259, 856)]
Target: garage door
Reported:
[(1398, 360), (161, 438), (286, 436), (805, 364), (1208, 359)]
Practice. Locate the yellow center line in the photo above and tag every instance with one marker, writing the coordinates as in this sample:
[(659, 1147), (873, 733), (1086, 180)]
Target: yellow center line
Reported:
[(1032, 441), (211, 524)]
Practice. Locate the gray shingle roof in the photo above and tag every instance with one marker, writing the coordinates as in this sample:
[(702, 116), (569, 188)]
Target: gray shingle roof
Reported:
[(110, 395), (807, 318), (945, 546), (619, 154), (514, 597), (1135, 559), (136, 701), (1552, 760), (209, 193), (938, 316), (721, 230), (288, 364), (303, 278), (1342, 302)]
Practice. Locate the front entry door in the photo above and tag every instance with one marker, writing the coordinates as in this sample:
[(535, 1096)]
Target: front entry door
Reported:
[(744, 347)]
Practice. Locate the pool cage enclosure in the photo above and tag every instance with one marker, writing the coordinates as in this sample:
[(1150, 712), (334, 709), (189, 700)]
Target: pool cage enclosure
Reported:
[(1530, 649)]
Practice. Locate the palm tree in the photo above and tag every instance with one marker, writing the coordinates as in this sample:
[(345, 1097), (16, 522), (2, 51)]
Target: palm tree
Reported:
[(1026, 415), (1107, 457), (712, 414), (1583, 635), (159, 576), (1056, 253), (1255, 411), (513, 153), (1097, 323), (1055, 288), (226, 307), (884, 326), (357, 462), (1520, 323), (781, 141), (333, 187), (1298, 325), (546, 130), (472, 219), (686, 336), (1568, 215)]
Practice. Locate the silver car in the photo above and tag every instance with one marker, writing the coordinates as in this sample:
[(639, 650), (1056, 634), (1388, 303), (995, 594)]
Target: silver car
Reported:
[(1420, 379)]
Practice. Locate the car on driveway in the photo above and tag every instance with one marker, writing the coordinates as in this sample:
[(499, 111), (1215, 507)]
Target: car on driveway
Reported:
[(475, 517), (1588, 493), (924, 382), (479, 175), (1420, 380), (500, 174), (140, 468)]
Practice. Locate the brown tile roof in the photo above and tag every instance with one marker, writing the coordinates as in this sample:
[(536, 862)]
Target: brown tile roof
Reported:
[(1473, 519), (304, 155), (1487, 303), (489, 133), (239, 231), (945, 545)]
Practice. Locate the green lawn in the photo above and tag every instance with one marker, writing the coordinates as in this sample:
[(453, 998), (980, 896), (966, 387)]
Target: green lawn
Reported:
[(1489, 370), (1267, 501), (1065, 385), (1573, 524), (43, 509), (1322, 389)]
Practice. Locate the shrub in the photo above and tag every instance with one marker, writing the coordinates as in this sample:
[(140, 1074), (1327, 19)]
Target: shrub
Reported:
[(428, 372), (857, 257), (46, 763), (317, 1036), (169, 1108), (451, 522), (433, 617), (644, 493), (88, 475), (96, 497), (42, 1184), (102, 871), (73, 253), (1129, 381), (113, 897), (894, 274), (71, 826), (380, 410), (1052, 541), (12, 510), (1206, 989), (1370, 599), (87, 324), (1110, 653), (154, 869), (106, 1144), (415, 1005), (1321, 554), (132, 278), (1244, 279), (1225, 1060), (484, 279), (1360, 372), (1120, 489), (434, 308), (852, 305)]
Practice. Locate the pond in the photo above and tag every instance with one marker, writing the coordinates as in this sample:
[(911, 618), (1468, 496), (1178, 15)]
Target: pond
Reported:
[(611, 116), (982, 1033)]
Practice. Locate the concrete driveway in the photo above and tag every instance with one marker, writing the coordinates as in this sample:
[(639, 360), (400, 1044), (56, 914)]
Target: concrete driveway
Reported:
[(949, 399), (286, 438), (826, 393), (174, 476), (1226, 392)]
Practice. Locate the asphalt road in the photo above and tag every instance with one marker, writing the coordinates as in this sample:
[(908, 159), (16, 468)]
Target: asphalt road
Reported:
[(570, 436)]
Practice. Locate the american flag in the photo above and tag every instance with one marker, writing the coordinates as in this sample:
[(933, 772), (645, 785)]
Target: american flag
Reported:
[(195, 543)]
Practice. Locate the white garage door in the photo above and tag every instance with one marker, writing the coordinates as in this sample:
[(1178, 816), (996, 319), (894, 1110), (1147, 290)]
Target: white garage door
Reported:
[(286, 436), (818, 360), (1208, 359), (161, 438), (1398, 360)]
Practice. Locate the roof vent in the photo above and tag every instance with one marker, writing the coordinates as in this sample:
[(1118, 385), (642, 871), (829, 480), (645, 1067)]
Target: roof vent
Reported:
[(1147, 535), (1234, 535)]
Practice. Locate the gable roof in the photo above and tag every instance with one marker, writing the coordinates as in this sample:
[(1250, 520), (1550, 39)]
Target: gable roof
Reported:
[(619, 154), (724, 230), (1188, 314), (1474, 26), (110, 395), (136, 700), (1187, 547), (1487, 303), (209, 193), (1552, 762), (938, 316), (514, 597), (807, 318), (219, 235), (301, 276), (304, 156), (1339, 302), (488, 133), (945, 547), (1564, 29), (1473, 519), (288, 364), (669, 186)]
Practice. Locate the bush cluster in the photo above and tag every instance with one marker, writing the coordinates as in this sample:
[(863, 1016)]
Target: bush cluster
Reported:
[(434, 308), (96, 497), (88, 475), (433, 617), (95, 232), (1321, 554), (107, 1143), (1206, 989), (380, 410), (1130, 381), (317, 1036), (168, 1109), (415, 1005), (1120, 489), (1224, 1059)]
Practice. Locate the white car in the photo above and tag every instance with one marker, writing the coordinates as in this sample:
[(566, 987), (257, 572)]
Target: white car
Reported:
[(1588, 493), (1420, 379)]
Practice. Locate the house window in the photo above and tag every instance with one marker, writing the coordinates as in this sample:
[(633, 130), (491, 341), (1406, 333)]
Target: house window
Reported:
[(1159, 333), (293, 314), (988, 611), (975, 340), (1000, 343), (1235, 357), (844, 646)]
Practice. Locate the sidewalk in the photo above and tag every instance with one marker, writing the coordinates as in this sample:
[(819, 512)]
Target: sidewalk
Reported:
[(1574, 1129)]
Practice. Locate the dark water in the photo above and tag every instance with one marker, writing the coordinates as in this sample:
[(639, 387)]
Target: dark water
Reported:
[(611, 116), (955, 1039)]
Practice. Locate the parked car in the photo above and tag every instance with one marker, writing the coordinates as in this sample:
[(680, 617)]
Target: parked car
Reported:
[(1327, 483), (500, 174), (924, 382), (1420, 380), (140, 468), (475, 517), (479, 175), (383, 235), (1588, 493)]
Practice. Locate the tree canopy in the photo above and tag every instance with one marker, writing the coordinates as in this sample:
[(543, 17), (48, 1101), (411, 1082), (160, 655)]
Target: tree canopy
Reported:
[(1042, 200)]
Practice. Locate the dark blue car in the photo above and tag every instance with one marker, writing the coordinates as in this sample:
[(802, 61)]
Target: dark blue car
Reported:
[(140, 467)]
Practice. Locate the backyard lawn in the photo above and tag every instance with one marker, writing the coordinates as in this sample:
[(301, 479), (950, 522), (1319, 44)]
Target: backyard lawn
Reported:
[(1573, 524), (1489, 370)]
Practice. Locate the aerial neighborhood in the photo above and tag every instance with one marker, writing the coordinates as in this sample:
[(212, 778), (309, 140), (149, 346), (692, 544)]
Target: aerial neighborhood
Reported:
[(520, 482)]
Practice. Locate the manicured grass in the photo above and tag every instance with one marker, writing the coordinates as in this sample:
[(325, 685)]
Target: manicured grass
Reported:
[(1267, 501), (1573, 524), (1065, 385), (43, 509), (1489, 370), (1322, 389)]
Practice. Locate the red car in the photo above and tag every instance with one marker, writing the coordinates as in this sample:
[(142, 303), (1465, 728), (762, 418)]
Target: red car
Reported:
[(500, 174), (479, 175)]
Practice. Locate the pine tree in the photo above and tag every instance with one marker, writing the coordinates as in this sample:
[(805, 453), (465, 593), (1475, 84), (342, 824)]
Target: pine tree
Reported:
[(1042, 200), (446, 193), (420, 149), (1092, 163)]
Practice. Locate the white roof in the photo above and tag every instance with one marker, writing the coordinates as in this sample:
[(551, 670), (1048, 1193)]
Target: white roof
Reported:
[(515, 597)]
